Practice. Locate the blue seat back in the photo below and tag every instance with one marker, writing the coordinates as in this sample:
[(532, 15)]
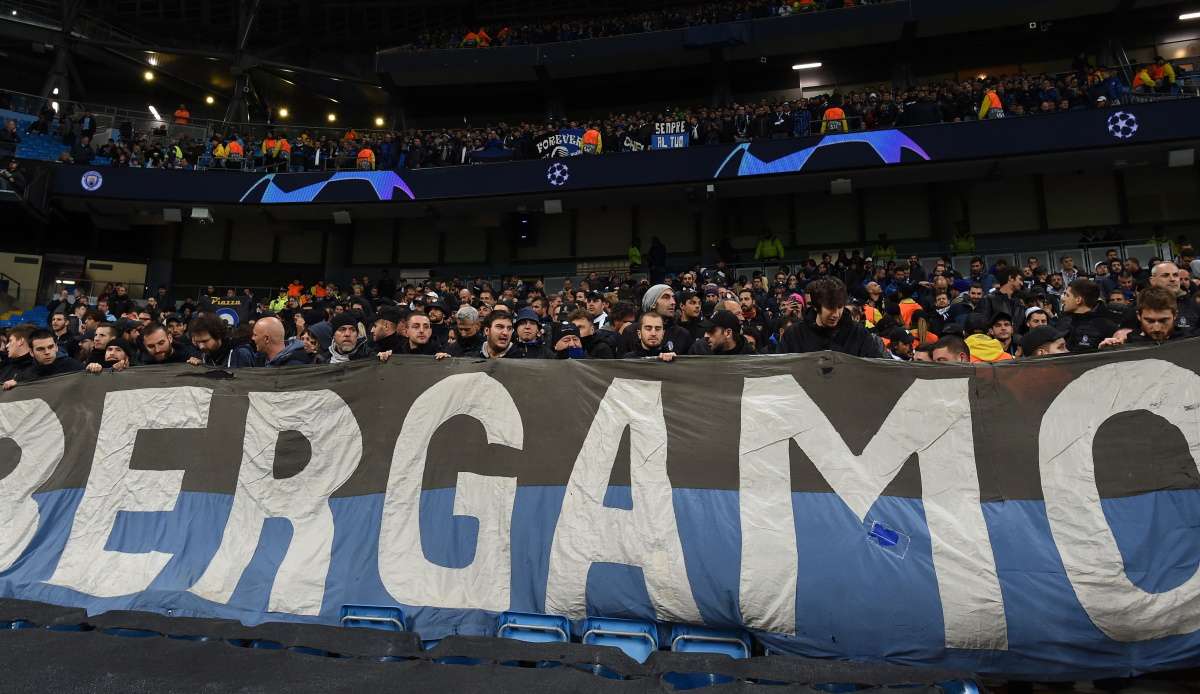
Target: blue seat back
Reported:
[(636, 638), (692, 639), (534, 628), (382, 617)]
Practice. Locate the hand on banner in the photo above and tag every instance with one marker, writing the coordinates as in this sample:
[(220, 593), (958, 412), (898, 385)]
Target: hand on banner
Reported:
[(121, 365), (10, 384), (1116, 340), (94, 368), (666, 356), (440, 356), (194, 361), (384, 356)]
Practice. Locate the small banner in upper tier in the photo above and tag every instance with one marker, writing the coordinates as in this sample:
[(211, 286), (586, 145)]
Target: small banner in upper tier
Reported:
[(1034, 520), (673, 135), (562, 143)]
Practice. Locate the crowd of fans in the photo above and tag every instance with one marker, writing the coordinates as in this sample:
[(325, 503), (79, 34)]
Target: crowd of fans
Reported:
[(580, 28), (285, 149), (899, 309)]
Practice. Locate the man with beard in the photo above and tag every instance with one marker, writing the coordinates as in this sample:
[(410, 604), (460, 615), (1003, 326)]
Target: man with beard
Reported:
[(439, 328), (751, 316), (210, 335), (1157, 314), (347, 345), (497, 334), (470, 337), (385, 333), (161, 349), (651, 342), (46, 362), (690, 308), (723, 336), (117, 354), (829, 326), (68, 342), (659, 299)]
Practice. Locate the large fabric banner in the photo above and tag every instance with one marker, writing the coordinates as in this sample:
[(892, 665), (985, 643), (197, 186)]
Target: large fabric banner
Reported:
[(1032, 520), (673, 135), (567, 142)]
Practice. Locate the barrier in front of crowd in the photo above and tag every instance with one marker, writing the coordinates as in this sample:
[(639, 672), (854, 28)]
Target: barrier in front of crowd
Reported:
[(1168, 121), (1032, 520)]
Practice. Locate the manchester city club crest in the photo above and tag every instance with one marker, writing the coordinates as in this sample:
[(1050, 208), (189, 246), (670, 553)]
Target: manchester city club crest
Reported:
[(91, 181)]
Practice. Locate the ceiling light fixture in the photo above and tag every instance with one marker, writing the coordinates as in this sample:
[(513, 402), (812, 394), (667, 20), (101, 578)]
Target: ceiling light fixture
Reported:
[(1183, 17), (379, 122), (209, 100), (283, 112), (148, 76), (806, 66), (331, 117), (153, 59), (154, 112)]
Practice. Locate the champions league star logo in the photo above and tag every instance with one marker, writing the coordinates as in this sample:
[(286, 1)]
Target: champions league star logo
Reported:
[(1122, 125), (558, 174), (91, 181), (888, 144), (384, 184)]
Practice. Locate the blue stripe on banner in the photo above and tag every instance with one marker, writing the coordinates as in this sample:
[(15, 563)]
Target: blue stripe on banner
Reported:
[(855, 596)]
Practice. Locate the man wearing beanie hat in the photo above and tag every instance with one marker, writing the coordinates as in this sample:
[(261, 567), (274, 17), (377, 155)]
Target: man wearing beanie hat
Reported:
[(347, 345), (117, 355), (659, 299)]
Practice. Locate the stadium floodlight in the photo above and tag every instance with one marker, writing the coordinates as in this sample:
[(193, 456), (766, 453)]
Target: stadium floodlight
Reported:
[(379, 122), (148, 76), (209, 100), (331, 117), (153, 59), (14, 13), (283, 113), (806, 66), (1183, 17), (154, 112)]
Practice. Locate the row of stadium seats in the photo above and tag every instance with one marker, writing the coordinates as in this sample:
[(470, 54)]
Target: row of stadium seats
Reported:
[(38, 315)]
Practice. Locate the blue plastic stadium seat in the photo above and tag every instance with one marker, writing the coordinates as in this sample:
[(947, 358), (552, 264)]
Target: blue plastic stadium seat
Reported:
[(637, 638), (384, 618), (692, 639), (533, 627)]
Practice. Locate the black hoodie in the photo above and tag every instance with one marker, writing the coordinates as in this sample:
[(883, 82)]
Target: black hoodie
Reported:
[(846, 337), (36, 371)]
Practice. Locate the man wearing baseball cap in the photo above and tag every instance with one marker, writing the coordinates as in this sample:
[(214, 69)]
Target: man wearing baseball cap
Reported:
[(1044, 340), (723, 336), (528, 343)]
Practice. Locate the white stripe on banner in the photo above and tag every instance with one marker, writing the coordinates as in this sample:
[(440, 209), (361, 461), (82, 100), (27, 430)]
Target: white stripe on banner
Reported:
[(1085, 541), (931, 419)]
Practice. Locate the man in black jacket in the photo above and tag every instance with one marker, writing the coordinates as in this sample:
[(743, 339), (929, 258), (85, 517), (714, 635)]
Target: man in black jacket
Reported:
[(830, 326), (385, 332), (1085, 326), (470, 337), (528, 342), (650, 331), (1004, 298), (1157, 314), (722, 336), (595, 344), (161, 349), (45, 362)]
